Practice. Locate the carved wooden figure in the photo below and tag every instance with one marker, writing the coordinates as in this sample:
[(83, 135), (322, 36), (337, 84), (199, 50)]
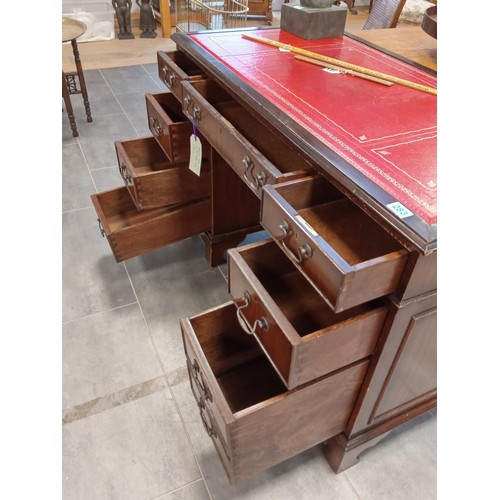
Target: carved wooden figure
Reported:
[(122, 8), (147, 21)]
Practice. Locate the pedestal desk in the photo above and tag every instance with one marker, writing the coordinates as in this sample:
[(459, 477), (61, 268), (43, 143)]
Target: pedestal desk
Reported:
[(331, 333)]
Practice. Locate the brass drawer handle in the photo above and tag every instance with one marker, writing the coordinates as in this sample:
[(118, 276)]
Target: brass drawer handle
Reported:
[(208, 427), (168, 77), (195, 115), (157, 128), (257, 181), (101, 228), (124, 173), (304, 251), (245, 325), (194, 370)]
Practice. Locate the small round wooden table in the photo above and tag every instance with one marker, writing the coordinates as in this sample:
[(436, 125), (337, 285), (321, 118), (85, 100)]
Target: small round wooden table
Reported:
[(71, 30)]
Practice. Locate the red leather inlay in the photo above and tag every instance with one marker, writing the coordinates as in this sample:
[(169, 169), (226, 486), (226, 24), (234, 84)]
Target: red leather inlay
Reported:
[(387, 133)]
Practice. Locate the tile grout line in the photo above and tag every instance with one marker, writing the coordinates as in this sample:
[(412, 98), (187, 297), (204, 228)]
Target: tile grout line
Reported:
[(149, 329), (178, 489), (118, 101), (346, 477), (188, 437), (172, 395), (97, 313)]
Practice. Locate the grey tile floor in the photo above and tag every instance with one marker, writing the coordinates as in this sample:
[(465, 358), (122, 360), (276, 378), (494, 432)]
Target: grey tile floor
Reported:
[(130, 426)]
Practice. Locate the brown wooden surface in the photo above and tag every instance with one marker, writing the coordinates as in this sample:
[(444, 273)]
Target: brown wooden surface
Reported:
[(263, 422), (131, 232), (173, 68), (169, 125), (153, 181), (249, 146), (400, 383), (352, 259), (261, 8), (306, 339), (410, 42), (407, 347)]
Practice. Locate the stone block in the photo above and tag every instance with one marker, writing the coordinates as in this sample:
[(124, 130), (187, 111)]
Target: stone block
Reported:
[(311, 24)]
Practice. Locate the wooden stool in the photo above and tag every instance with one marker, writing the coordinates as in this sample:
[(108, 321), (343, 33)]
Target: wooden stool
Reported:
[(71, 30)]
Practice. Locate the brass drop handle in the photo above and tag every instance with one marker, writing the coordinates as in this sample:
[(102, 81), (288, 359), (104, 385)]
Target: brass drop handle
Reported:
[(124, 173), (257, 181), (168, 77), (304, 251), (194, 369), (157, 128), (195, 115), (245, 325), (101, 228), (208, 427)]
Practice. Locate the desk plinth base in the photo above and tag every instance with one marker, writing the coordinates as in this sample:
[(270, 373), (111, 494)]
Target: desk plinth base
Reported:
[(311, 24)]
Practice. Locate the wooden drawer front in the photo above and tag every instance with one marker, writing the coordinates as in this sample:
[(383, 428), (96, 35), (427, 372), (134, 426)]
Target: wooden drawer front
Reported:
[(174, 67), (153, 181), (169, 125), (344, 253), (257, 153), (303, 338), (261, 423), (131, 232)]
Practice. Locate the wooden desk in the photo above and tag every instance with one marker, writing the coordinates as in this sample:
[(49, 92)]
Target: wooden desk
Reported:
[(340, 302), (413, 43)]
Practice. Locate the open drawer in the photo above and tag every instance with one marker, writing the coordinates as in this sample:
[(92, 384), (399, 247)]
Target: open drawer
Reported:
[(131, 232), (174, 67), (302, 336), (343, 252), (153, 181), (170, 126), (253, 420), (258, 153)]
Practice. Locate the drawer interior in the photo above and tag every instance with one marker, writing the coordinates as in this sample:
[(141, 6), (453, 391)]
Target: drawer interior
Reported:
[(243, 373), (185, 63), (146, 155), (353, 234), (120, 211), (171, 106), (298, 300), (273, 145)]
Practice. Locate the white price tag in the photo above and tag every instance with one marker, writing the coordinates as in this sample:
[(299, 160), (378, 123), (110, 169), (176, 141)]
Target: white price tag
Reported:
[(332, 71), (399, 209), (195, 155)]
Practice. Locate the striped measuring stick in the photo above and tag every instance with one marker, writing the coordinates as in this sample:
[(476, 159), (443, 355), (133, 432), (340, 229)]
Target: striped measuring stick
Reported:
[(343, 64)]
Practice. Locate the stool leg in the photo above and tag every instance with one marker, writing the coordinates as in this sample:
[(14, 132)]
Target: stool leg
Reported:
[(81, 78), (69, 106)]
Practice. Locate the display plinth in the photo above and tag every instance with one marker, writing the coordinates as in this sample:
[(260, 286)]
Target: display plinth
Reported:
[(311, 24)]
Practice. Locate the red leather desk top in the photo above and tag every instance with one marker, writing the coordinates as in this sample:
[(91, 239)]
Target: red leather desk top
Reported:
[(387, 133)]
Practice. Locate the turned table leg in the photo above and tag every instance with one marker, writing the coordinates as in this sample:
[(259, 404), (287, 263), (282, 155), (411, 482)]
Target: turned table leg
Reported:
[(81, 78), (69, 106)]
